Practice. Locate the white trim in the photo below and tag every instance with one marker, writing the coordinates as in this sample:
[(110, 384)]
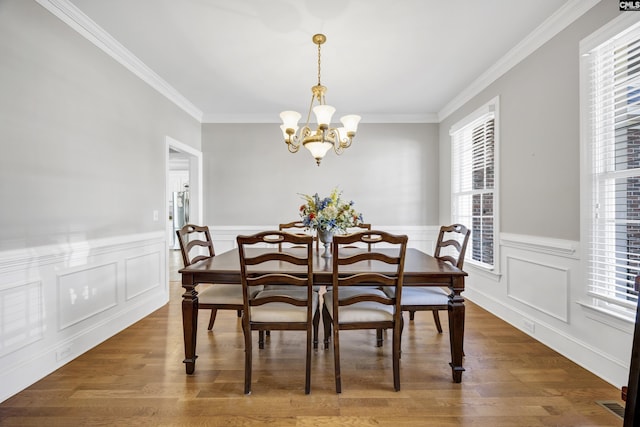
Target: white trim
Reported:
[(606, 366), (197, 154), (489, 107), (612, 30), (420, 237), (557, 22), (608, 318), (369, 118), (511, 290), (50, 254), (57, 339), (492, 106), (545, 245), (76, 19), (85, 26), (607, 31)]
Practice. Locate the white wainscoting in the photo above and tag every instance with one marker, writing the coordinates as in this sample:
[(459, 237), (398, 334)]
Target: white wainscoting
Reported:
[(420, 237), (57, 302), (531, 283), (539, 288)]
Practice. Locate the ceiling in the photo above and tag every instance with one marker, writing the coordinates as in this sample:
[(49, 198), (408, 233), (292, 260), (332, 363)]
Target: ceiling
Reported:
[(387, 60)]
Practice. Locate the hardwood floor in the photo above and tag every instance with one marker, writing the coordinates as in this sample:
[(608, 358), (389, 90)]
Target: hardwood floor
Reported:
[(137, 378)]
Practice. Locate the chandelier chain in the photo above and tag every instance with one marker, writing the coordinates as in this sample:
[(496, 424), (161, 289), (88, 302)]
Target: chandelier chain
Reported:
[(319, 64)]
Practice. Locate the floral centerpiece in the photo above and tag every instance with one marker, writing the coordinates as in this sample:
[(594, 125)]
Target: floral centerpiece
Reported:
[(328, 215)]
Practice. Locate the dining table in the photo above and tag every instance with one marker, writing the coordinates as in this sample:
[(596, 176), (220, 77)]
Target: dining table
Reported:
[(420, 269)]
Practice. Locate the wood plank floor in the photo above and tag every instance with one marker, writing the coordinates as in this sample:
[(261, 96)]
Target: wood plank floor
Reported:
[(137, 378)]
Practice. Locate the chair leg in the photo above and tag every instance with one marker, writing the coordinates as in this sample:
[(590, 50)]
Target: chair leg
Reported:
[(212, 319), (412, 315), (326, 320), (436, 319), (401, 329), (336, 358), (307, 375), (316, 322), (397, 333), (379, 338), (239, 313), (261, 340), (248, 351)]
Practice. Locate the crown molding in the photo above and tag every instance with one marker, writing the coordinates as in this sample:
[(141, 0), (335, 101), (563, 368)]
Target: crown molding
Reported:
[(77, 20), (85, 26), (557, 22), (367, 118)]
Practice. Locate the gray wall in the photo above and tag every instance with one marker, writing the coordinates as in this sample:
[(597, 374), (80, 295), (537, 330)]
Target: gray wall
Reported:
[(390, 171), (83, 139), (539, 136)]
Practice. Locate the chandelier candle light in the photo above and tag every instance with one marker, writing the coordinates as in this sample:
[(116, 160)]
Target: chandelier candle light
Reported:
[(325, 137)]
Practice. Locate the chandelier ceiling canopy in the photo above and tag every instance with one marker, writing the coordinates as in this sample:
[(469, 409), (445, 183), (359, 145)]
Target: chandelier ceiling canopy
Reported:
[(325, 137)]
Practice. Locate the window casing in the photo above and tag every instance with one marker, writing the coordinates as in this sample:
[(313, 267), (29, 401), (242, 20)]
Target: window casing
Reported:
[(474, 183), (611, 141)]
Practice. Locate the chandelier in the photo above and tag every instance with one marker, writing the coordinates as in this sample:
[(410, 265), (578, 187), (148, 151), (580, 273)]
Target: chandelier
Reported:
[(318, 142)]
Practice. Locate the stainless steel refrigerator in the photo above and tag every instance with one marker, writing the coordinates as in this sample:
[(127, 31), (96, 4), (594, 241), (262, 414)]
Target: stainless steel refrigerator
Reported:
[(179, 212)]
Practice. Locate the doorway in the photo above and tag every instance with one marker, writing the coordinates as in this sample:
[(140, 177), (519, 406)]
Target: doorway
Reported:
[(183, 187)]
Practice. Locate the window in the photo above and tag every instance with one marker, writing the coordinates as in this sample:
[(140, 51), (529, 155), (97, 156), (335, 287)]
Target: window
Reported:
[(474, 181), (611, 112)]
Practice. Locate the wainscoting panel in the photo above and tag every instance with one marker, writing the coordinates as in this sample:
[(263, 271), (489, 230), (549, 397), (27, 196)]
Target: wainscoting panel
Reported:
[(86, 292), (142, 274), (541, 286), (21, 316), (58, 301), (420, 237)]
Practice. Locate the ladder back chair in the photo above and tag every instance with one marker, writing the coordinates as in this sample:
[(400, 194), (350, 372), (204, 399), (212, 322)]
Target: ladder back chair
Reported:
[(357, 228), (450, 247), (195, 245), (295, 309), (352, 304), (296, 227)]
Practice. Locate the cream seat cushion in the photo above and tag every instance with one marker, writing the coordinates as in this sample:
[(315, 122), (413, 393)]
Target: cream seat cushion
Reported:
[(280, 311), (366, 311), (416, 295), (223, 294)]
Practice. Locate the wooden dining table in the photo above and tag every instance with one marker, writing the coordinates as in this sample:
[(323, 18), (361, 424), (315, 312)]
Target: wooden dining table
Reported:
[(420, 269)]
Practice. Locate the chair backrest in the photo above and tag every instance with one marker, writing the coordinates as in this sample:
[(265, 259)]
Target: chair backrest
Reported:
[(345, 273), (195, 243), (296, 227), (452, 244), (257, 267), (355, 229)]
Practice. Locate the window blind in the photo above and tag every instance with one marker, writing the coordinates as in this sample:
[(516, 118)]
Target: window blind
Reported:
[(614, 132), (473, 185)]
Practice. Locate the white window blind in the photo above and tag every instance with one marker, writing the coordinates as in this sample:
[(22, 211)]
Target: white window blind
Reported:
[(473, 185), (614, 138)]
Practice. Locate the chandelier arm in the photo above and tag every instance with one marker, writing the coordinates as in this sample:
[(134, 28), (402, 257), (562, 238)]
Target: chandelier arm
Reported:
[(293, 143), (333, 137), (313, 96), (316, 140)]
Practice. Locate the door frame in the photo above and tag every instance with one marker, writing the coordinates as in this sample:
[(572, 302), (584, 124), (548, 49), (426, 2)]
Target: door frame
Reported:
[(195, 183)]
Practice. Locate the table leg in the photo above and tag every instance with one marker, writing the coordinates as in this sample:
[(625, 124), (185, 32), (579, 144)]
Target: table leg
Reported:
[(189, 325), (456, 328)]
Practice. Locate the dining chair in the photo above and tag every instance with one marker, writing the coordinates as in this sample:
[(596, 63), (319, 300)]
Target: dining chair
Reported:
[(359, 227), (450, 247), (195, 245), (296, 308), (296, 227), (351, 303)]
